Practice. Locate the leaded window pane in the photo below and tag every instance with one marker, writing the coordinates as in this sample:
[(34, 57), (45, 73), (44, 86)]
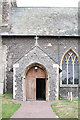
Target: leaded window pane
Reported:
[(64, 73), (67, 56), (76, 72), (70, 69), (73, 56), (70, 52), (70, 72)]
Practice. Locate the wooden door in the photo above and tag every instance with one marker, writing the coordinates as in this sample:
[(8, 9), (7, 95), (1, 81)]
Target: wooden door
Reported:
[(31, 88), (31, 76)]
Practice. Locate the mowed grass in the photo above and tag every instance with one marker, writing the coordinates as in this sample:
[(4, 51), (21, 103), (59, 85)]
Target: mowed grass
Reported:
[(6, 96), (66, 109), (9, 108)]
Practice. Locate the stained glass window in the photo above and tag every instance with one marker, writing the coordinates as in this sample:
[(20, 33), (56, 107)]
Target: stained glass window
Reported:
[(70, 68)]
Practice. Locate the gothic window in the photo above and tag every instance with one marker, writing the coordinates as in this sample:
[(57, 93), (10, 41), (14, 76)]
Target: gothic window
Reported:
[(64, 73), (70, 68)]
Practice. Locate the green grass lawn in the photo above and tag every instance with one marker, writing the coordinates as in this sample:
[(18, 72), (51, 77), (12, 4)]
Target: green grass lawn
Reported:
[(9, 108), (6, 96), (66, 109)]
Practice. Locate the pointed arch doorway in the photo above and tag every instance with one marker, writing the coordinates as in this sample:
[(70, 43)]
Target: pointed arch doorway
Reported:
[(36, 82)]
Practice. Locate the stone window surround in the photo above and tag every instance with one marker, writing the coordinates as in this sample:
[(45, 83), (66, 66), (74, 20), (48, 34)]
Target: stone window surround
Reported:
[(68, 85)]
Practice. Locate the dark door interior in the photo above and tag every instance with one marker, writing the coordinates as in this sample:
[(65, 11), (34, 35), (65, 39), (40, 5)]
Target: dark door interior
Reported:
[(40, 89)]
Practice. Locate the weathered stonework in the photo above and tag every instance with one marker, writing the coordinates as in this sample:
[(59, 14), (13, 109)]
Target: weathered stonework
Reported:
[(5, 66), (36, 55), (17, 40), (3, 51), (18, 46), (1, 68), (5, 16), (64, 92)]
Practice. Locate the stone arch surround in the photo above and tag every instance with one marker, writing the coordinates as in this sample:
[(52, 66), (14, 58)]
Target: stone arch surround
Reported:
[(41, 73), (76, 54), (35, 55)]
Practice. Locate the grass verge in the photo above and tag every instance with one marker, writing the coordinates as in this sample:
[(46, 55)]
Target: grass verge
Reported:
[(66, 109), (6, 96), (9, 108)]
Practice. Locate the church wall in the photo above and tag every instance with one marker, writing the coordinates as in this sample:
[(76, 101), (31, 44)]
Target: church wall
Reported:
[(4, 65), (64, 92), (17, 47), (79, 69), (3, 50), (36, 55), (1, 68), (5, 16), (64, 47), (55, 47)]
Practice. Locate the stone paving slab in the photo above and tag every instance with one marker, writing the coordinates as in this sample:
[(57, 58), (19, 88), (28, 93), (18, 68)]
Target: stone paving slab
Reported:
[(38, 109)]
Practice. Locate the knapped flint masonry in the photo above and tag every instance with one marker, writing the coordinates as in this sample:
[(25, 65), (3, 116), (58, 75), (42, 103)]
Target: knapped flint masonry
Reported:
[(43, 69)]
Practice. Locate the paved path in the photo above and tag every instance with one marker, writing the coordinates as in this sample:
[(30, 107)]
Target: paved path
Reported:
[(38, 109)]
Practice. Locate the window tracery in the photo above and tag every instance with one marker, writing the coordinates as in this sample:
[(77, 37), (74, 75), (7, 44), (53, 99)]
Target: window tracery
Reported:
[(70, 68)]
